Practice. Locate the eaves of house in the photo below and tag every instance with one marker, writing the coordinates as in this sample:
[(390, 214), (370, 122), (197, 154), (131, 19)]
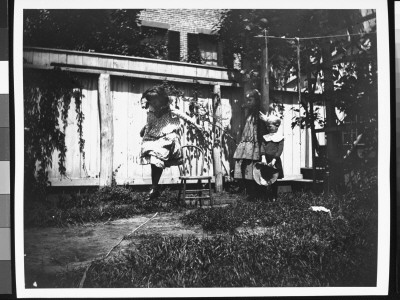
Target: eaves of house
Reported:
[(129, 66)]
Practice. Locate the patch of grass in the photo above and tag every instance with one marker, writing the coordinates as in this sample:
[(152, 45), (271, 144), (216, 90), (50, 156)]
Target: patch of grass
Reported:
[(291, 210), (283, 258), (303, 248), (106, 204)]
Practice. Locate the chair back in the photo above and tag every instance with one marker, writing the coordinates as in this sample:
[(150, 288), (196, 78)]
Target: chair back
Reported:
[(192, 161)]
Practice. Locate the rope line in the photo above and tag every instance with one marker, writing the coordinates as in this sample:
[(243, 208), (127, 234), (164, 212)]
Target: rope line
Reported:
[(115, 246), (314, 37)]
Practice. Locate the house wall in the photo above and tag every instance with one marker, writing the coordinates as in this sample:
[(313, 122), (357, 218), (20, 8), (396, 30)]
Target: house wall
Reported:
[(185, 21)]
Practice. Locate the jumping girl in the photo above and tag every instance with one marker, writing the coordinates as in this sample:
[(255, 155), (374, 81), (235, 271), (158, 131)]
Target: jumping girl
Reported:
[(161, 135)]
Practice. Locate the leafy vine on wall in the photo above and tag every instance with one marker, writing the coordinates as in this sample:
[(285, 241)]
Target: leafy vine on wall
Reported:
[(47, 99)]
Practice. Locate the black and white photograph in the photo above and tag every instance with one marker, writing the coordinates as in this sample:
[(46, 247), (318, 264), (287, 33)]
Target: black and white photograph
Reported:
[(240, 149)]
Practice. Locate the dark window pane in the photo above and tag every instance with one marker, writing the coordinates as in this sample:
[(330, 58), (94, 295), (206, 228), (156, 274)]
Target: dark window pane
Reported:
[(193, 48), (173, 45)]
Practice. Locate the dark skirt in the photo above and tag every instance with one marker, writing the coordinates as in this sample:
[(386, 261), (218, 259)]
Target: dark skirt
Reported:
[(244, 169), (278, 164)]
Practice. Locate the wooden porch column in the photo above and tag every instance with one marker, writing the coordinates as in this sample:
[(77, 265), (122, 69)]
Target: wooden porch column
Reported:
[(106, 130), (217, 132)]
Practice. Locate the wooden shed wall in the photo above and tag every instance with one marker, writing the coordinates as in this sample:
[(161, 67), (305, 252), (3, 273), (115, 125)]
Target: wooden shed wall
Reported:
[(127, 85), (129, 118)]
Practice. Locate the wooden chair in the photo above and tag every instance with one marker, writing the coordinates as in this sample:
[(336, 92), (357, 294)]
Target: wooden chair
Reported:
[(192, 169)]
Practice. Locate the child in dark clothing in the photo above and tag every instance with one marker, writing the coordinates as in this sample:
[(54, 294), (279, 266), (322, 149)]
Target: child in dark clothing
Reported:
[(271, 149)]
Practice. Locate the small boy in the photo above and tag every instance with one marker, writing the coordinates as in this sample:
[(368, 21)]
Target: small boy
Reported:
[(271, 149)]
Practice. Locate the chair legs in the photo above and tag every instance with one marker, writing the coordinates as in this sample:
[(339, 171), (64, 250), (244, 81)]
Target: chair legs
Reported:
[(199, 193), (209, 191), (199, 185), (180, 194), (184, 191)]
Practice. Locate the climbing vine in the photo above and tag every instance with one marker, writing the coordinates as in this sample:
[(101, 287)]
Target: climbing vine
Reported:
[(213, 133), (47, 99)]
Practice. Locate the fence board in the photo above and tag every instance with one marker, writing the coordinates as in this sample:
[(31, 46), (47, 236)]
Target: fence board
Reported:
[(120, 97), (91, 128)]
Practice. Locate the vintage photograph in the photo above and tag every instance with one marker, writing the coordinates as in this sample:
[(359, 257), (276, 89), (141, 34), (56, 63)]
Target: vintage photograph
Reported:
[(201, 148)]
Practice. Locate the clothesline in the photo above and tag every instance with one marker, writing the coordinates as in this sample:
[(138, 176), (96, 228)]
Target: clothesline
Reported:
[(314, 37)]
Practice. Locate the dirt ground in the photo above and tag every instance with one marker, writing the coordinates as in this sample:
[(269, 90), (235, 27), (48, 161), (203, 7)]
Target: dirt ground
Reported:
[(49, 250)]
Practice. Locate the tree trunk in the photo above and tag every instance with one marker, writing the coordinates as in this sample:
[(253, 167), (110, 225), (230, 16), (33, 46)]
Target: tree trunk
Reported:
[(310, 101), (265, 79), (334, 138)]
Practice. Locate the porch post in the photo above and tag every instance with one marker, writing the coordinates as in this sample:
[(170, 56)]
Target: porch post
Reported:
[(217, 132), (106, 130)]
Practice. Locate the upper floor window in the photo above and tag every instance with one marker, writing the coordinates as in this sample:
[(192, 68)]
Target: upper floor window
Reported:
[(203, 49), (160, 43)]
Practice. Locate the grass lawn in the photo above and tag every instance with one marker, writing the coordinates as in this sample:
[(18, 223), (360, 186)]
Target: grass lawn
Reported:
[(253, 244)]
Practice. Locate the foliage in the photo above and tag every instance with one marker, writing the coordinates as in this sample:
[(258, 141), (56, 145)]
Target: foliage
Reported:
[(300, 248), (345, 68), (96, 30), (106, 204), (203, 112), (47, 99)]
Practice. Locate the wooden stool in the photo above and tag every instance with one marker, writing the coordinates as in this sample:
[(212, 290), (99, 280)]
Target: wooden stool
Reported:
[(192, 169)]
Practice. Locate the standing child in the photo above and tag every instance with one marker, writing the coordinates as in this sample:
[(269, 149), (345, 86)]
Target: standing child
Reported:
[(248, 150), (161, 135), (272, 148)]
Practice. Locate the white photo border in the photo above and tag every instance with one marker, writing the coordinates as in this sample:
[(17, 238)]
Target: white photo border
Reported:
[(384, 132)]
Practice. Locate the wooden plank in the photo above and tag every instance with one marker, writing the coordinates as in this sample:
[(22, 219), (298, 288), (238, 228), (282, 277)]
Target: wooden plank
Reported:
[(120, 64), (120, 118), (136, 65), (72, 161), (37, 58), (62, 58), (105, 63), (137, 120), (91, 130), (106, 129), (90, 61), (189, 71), (74, 59), (46, 58), (28, 57), (129, 73)]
